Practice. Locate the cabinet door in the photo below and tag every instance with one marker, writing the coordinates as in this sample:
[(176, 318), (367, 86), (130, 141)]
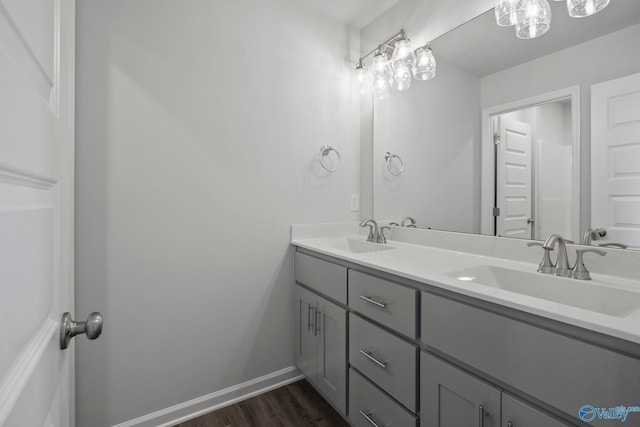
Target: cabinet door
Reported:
[(305, 332), (332, 352), (452, 398), (516, 413)]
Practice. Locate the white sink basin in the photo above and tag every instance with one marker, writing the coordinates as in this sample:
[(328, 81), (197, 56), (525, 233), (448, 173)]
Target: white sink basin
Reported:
[(588, 295), (357, 246)]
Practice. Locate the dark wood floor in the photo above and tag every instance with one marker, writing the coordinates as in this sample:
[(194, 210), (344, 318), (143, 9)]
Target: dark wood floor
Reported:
[(296, 405)]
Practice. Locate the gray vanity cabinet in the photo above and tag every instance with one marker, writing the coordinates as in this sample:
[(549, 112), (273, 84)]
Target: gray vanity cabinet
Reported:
[(321, 326), (450, 397), (320, 343)]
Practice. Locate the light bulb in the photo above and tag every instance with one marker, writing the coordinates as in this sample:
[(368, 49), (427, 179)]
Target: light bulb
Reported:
[(506, 12), (425, 66), (583, 8), (533, 18)]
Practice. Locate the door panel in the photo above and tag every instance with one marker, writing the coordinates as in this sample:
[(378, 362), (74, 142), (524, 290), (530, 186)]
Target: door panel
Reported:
[(615, 159), (514, 179), (450, 397), (36, 209), (332, 352), (305, 335)]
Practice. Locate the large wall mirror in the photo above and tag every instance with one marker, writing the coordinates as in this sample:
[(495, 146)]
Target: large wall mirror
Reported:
[(500, 142)]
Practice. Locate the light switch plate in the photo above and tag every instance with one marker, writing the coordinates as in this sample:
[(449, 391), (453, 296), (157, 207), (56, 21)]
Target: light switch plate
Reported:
[(354, 202)]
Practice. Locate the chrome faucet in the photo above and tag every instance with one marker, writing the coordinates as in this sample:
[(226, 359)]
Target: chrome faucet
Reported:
[(591, 234), (407, 221), (562, 267), (374, 231)]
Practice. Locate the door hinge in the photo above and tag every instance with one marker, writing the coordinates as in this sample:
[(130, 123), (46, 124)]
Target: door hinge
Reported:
[(496, 139), (496, 211)]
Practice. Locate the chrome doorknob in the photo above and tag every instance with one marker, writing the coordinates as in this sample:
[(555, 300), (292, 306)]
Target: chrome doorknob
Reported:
[(69, 328)]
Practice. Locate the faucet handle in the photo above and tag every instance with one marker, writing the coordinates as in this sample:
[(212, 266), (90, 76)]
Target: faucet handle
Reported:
[(580, 272), (546, 265), (383, 238), (613, 245)]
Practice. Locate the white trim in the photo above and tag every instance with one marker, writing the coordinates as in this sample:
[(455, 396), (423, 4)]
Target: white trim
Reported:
[(487, 155), (201, 405), (17, 377)]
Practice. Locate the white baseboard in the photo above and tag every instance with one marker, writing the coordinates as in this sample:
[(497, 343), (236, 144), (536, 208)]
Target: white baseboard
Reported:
[(201, 405)]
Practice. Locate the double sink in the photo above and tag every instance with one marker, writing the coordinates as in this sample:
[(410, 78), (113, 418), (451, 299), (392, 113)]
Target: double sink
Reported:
[(594, 296)]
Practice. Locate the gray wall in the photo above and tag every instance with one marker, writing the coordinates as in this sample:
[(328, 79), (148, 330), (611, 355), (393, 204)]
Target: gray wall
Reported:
[(199, 125)]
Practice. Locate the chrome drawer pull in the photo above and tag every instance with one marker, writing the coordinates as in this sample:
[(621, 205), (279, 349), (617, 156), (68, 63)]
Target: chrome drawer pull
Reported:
[(481, 415), (368, 355), (309, 317), (317, 329), (374, 302), (368, 418), (509, 424)]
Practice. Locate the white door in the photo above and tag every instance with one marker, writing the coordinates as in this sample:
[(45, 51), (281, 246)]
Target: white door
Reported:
[(615, 159), (513, 179), (36, 210)]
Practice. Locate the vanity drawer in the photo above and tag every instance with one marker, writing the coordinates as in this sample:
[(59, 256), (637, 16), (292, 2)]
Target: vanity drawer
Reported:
[(323, 276), (366, 399), (563, 372), (386, 302), (385, 359)]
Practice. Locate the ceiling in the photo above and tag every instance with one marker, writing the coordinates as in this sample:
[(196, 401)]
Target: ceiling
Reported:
[(356, 13)]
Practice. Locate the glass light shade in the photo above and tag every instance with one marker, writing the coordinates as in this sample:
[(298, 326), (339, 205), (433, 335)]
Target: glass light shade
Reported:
[(403, 54), (381, 73), (380, 64), (401, 77), (506, 12), (425, 66), (361, 72), (582, 8), (381, 87), (533, 18)]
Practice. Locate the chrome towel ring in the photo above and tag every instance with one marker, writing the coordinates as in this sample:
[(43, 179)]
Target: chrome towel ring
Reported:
[(325, 151), (389, 158)]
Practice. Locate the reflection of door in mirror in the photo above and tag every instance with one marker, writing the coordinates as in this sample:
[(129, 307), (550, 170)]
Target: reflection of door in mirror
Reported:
[(615, 159), (513, 177), (533, 171)]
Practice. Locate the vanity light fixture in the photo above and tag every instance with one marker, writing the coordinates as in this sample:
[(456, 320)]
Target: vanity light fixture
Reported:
[(532, 18), (582, 8), (394, 65)]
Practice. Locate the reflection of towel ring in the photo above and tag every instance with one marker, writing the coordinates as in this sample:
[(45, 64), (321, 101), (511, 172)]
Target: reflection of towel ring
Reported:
[(389, 157), (324, 152)]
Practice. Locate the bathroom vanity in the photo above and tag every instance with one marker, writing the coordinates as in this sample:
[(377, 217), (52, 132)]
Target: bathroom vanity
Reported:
[(402, 334)]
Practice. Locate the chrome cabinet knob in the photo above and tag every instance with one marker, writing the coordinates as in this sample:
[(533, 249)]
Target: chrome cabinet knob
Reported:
[(69, 328)]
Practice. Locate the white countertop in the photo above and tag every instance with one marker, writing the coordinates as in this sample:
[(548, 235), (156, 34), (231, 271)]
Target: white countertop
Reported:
[(430, 265)]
